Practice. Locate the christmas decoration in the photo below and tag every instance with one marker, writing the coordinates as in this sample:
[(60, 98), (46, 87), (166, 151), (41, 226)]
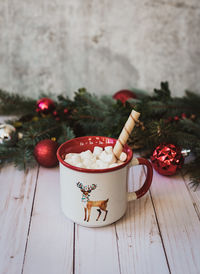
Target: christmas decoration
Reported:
[(185, 152), (65, 111), (167, 159), (45, 106), (7, 134), (123, 95), (183, 116), (88, 114), (55, 113), (45, 153), (176, 118)]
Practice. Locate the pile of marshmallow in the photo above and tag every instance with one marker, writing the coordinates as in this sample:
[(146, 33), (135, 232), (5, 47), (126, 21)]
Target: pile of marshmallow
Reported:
[(98, 159)]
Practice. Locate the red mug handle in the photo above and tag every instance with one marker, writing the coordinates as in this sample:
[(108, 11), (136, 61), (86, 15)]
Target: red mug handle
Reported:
[(145, 187)]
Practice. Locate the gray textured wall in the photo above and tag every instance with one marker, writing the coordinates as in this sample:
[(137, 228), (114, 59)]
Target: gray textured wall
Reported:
[(102, 45)]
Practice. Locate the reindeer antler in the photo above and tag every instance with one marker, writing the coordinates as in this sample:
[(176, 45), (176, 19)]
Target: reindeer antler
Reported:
[(92, 187), (86, 188), (80, 185)]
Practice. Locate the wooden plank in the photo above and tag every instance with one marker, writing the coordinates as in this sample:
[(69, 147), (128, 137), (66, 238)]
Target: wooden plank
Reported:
[(195, 195), (179, 223), (16, 196), (50, 243), (139, 242), (96, 250)]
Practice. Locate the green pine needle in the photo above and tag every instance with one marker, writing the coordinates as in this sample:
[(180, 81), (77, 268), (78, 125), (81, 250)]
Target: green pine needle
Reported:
[(89, 114)]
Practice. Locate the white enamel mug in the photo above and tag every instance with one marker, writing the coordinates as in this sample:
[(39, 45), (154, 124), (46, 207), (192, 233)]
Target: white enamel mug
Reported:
[(97, 197)]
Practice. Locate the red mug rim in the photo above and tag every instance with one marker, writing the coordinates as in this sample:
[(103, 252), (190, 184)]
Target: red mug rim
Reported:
[(80, 144)]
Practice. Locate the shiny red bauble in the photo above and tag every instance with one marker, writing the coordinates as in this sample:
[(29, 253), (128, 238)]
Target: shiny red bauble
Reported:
[(123, 95), (45, 106), (45, 153), (66, 110), (167, 159)]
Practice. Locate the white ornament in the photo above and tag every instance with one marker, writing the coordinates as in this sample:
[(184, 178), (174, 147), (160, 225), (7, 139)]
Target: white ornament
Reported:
[(6, 133)]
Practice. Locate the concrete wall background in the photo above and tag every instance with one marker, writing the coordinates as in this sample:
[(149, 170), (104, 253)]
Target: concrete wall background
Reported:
[(62, 45)]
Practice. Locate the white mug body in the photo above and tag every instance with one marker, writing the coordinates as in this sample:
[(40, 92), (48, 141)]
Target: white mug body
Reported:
[(103, 205)]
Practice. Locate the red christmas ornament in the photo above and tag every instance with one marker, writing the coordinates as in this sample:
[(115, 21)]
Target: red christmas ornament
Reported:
[(45, 106), (167, 159), (169, 119), (123, 95), (176, 118), (183, 116), (66, 110), (45, 153), (55, 113)]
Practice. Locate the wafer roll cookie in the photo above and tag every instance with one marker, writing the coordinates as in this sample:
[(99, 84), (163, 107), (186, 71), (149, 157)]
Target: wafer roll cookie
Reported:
[(126, 131)]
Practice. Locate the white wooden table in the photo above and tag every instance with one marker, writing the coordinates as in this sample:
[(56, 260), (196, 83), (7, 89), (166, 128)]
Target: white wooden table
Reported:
[(159, 234)]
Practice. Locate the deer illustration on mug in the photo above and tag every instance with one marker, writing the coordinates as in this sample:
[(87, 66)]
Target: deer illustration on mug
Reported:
[(102, 205)]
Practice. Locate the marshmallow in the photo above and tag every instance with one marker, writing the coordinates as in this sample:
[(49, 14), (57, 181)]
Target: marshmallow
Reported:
[(76, 158), (80, 165), (97, 151), (72, 158), (69, 155), (86, 154), (101, 164), (88, 162), (108, 158), (71, 162), (123, 157), (108, 149), (93, 166), (103, 155), (99, 159)]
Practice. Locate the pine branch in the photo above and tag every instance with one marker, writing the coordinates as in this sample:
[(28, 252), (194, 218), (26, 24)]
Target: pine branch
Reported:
[(15, 104), (88, 114)]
